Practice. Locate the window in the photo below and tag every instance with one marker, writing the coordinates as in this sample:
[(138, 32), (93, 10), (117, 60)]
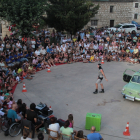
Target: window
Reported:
[(136, 79), (136, 5), (128, 26), (118, 26), (135, 16), (111, 9), (0, 28), (131, 26), (94, 22), (125, 26)]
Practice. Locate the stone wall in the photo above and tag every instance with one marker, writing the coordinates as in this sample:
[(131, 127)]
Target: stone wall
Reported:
[(136, 11), (122, 13)]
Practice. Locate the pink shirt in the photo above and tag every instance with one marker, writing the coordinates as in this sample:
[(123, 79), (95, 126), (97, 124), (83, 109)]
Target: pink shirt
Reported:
[(10, 104), (34, 61), (71, 125)]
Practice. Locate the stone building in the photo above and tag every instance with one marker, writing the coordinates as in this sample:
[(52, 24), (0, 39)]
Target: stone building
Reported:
[(112, 12)]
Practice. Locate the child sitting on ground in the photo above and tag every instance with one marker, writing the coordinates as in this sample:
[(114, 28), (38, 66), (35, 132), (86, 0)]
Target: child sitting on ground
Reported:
[(135, 60), (96, 57), (25, 75), (114, 57), (69, 59), (127, 59), (92, 59), (18, 79), (88, 57), (85, 59)]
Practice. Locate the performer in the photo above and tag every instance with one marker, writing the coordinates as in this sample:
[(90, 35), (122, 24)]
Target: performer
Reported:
[(99, 80)]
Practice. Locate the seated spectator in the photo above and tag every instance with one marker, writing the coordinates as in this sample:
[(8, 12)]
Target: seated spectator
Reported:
[(13, 115), (25, 135), (43, 51), (31, 115), (93, 135), (10, 103), (70, 119), (24, 109), (25, 75), (37, 52), (54, 126), (85, 59), (2, 112), (67, 130), (49, 50), (80, 134), (3, 66), (92, 59), (40, 136)]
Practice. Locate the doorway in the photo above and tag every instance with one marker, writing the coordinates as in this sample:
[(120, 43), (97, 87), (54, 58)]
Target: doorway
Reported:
[(111, 23)]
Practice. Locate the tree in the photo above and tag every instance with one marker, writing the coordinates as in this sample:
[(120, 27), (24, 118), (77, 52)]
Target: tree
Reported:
[(69, 15), (23, 13)]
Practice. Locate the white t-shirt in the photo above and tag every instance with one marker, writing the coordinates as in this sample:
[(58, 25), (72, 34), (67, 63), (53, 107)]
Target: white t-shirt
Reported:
[(17, 78), (2, 64), (54, 127), (1, 113), (18, 44), (43, 51), (95, 47), (87, 35), (1, 48), (69, 39), (2, 98), (10, 104), (37, 52), (64, 40), (63, 48), (33, 44)]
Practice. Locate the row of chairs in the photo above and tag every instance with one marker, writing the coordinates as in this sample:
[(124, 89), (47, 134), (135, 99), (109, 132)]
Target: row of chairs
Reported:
[(62, 136)]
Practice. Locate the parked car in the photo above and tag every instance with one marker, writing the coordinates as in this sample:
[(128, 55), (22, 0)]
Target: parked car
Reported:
[(131, 90), (128, 27)]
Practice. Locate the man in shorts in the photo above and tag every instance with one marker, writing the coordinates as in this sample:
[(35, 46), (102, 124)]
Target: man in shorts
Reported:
[(99, 80)]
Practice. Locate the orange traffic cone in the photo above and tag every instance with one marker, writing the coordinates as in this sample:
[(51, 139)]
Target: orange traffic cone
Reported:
[(102, 61), (24, 88), (48, 69), (50, 108), (126, 132)]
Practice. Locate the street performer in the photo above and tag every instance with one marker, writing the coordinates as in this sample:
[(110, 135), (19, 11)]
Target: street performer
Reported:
[(99, 80)]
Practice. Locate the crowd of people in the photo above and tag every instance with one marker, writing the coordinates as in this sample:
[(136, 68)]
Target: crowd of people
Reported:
[(20, 59)]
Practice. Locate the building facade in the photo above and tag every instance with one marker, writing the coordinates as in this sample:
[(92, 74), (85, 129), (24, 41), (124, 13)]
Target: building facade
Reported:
[(113, 12)]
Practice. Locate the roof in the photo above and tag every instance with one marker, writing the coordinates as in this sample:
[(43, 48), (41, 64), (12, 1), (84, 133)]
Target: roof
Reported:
[(116, 0)]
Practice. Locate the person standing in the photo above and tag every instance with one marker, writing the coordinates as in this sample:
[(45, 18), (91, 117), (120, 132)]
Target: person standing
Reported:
[(93, 135), (99, 80)]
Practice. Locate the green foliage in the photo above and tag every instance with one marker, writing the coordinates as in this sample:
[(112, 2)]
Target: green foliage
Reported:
[(69, 15), (23, 13)]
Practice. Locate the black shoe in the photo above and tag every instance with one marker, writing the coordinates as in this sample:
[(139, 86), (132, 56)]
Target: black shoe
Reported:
[(102, 91), (95, 92)]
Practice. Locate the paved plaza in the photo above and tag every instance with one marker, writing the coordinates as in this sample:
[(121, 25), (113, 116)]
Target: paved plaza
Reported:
[(69, 89)]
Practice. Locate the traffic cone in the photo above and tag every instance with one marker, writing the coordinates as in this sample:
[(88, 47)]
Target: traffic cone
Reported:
[(102, 61), (50, 108), (24, 88), (126, 132), (48, 69)]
